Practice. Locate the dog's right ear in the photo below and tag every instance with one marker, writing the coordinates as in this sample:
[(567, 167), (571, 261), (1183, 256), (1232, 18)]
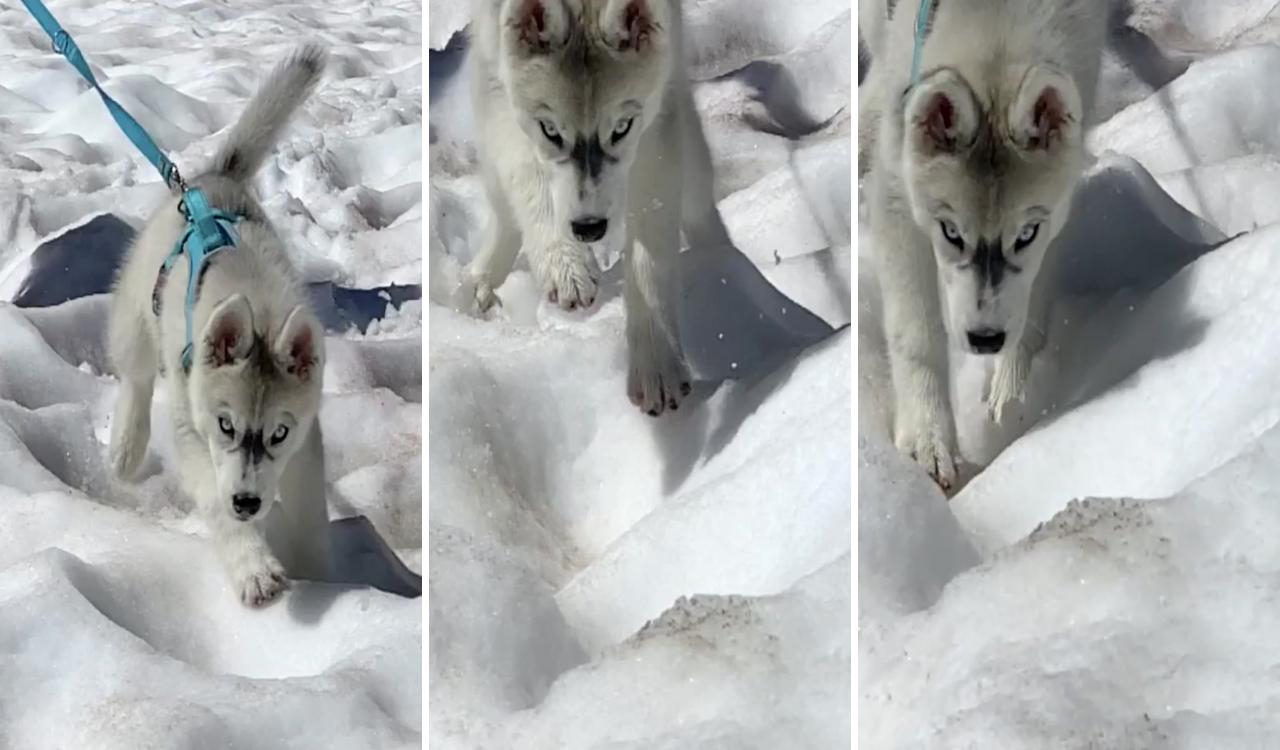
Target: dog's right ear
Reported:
[(942, 114), (537, 27), (1045, 113), (228, 335), (299, 347)]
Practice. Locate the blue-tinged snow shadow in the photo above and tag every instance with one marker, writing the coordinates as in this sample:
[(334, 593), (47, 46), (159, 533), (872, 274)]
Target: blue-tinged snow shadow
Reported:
[(83, 262)]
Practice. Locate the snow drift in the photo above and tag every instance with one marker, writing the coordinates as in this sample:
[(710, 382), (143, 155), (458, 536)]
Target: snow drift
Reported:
[(1105, 580), (599, 578)]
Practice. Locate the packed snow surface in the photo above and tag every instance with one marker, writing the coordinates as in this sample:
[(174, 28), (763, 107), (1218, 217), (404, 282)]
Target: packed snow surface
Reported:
[(118, 628), (599, 578), (1109, 578)]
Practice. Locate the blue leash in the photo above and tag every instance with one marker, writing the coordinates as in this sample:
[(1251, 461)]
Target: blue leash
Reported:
[(208, 230), (922, 24)]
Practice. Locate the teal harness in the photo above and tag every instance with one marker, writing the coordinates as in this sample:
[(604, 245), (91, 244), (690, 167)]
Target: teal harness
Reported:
[(922, 27), (208, 230)]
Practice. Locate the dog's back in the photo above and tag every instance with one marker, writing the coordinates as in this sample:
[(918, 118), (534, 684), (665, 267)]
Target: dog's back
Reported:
[(259, 266)]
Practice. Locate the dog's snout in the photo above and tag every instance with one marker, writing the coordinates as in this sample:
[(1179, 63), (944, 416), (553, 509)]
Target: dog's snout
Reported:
[(986, 340), (589, 229), (245, 505)]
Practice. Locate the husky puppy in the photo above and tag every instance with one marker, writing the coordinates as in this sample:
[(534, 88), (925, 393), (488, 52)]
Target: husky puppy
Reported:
[(587, 130), (245, 412), (972, 173)]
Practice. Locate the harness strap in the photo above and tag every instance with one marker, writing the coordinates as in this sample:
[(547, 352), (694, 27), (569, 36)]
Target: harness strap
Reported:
[(923, 14), (64, 45), (208, 231)]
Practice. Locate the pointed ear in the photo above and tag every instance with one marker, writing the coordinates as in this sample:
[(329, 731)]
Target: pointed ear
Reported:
[(1046, 112), (633, 25), (228, 335), (941, 114), (299, 347), (536, 27)]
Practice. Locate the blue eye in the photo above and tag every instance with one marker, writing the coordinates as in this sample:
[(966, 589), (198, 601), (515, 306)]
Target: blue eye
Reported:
[(622, 129), (551, 133), (279, 435), (1026, 236), (227, 428), (951, 234)]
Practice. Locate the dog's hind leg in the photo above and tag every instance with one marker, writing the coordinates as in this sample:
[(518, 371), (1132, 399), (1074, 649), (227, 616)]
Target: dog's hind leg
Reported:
[(133, 351)]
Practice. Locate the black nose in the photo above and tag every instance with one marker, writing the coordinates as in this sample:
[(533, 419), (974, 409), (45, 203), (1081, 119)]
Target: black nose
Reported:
[(986, 340), (589, 230), (245, 505)]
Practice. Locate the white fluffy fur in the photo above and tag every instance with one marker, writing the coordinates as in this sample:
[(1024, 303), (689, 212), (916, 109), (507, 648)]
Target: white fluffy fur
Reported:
[(529, 72), (988, 145), (257, 364)]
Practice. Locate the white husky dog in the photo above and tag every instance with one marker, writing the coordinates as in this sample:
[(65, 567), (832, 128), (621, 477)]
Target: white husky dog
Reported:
[(244, 415), (588, 128), (973, 171)]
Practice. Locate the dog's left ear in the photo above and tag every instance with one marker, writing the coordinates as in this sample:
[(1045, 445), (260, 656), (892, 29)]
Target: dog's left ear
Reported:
[(299, 347), (1046, 112), (634, 25)]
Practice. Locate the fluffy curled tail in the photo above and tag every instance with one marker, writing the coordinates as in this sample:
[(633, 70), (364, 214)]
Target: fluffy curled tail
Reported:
[(284, 89), (873, 20)]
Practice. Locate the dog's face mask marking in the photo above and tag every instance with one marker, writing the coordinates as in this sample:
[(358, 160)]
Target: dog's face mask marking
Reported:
[(992, 187), (257, 400), (585, 89)]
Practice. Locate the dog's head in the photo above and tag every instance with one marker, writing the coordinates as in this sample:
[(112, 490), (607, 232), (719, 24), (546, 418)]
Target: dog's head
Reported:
[(254, 398), (585, 83), (990, 179)]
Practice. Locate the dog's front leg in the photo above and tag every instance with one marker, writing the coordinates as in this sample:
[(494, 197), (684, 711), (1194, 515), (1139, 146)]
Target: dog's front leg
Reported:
[(499, 246), (658, 378), (565, 268), (256, 575), (924, 427), (305, 542)]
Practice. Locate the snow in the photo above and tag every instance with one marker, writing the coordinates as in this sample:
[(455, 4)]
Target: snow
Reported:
[(598, 578), (117, 626), (1107, 577)]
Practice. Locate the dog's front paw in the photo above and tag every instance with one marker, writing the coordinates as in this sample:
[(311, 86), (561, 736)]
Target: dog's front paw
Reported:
[(658, 379), (260, 584), (929, 444), (1008, 384), (569, 275)]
